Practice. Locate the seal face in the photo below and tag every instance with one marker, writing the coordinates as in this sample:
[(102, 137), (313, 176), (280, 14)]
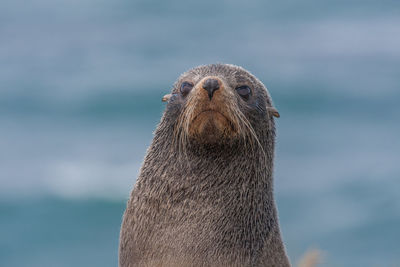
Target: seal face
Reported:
[(215, 100), (204, 194), (208, 115)]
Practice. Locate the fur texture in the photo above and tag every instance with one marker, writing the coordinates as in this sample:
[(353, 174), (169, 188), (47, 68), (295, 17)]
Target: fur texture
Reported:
[(204, 196)]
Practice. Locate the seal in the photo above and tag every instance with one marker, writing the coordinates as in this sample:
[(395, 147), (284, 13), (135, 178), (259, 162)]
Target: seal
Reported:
[(204, 195)]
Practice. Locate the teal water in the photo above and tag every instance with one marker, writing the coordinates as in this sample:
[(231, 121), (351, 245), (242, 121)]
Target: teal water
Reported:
[(56, 232), (81, 84)]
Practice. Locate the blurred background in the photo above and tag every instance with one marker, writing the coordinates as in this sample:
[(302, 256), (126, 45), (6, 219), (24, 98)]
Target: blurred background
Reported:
[(81, 84)]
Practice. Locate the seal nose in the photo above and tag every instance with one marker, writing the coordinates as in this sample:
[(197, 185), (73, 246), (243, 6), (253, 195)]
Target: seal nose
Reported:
[(211, 85)]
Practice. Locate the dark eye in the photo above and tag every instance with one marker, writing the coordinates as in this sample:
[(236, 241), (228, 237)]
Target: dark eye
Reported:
[(186, 87), (244, 91)]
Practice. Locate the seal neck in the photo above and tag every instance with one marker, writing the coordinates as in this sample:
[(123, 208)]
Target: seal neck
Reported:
[(231, 171), (231, 184)]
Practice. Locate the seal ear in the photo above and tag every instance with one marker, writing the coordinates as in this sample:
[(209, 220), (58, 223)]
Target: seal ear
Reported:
[(274, 112), (166, 98)]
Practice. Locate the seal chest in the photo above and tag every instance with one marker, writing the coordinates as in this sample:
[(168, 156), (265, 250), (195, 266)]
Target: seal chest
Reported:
[(204, 194)]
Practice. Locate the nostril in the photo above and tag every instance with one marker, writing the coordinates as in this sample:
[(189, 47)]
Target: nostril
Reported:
[(211, 85)]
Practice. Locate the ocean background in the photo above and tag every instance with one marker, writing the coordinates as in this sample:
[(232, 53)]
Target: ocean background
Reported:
[(81, 84)]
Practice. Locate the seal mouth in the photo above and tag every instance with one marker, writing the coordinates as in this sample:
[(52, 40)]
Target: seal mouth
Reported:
[(211, 126), (211, 111)]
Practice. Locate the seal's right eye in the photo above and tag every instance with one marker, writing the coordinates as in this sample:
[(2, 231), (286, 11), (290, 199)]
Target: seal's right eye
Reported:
[(186, 87)]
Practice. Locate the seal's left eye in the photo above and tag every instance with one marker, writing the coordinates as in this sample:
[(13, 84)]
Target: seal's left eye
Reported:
[(186, 87), (244, 91)]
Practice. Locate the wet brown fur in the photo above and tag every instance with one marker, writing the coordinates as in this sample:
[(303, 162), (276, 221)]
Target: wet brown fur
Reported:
[(204, 196)]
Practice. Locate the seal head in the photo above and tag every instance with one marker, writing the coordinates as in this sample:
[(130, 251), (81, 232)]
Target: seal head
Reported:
[(215, 102)]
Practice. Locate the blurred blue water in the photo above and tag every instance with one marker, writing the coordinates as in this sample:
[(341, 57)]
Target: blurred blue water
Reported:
[(80, 94)]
